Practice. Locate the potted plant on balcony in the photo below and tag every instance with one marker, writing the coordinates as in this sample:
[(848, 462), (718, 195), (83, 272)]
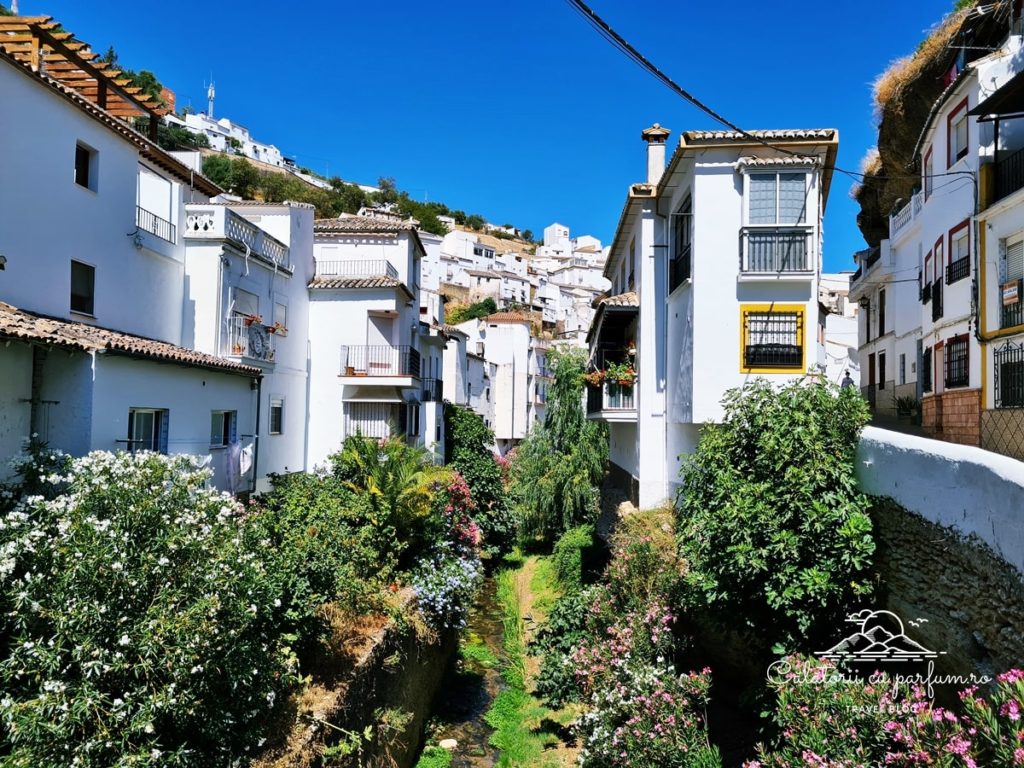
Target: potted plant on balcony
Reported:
[(277, 328), (594, 378), (631, 348), (252, 319), (621, 373)]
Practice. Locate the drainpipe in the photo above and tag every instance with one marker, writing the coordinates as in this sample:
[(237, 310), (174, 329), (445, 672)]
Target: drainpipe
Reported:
[(258, 386)]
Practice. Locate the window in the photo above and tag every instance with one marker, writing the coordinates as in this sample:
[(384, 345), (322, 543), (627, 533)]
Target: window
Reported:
[(867, 319), (926, 371), (276, 426), (772, 338), (280, 316), (85, 167), (956, 132), (959, 252), (939, 263), (147, 430), (929, 173), (83, 287), (223, 428), (881, 312), (777, 198), (1013, 261), (881, 370), (680, 268), (903, 369), (957, 368), (1009, 376)]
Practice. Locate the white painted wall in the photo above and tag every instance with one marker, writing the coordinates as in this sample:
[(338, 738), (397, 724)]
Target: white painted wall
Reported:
[(973, 491), (46, 219)]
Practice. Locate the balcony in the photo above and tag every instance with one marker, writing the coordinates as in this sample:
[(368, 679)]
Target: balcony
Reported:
[(433, 390), (217, 222), (905, 215), (937, 300), (958, 270), (356, 268), (154, 224), (779, 252), (612, 402), (1009, 174), (1012, 315), (249, 339), (380, 364)]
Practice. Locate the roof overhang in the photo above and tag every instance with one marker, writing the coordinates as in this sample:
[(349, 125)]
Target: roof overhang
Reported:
[(1005, 101), (364, 394)]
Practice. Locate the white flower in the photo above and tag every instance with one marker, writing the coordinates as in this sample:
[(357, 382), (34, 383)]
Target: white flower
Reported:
[(125, 640)]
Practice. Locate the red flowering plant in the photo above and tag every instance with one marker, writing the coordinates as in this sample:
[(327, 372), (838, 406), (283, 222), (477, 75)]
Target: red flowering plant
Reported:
[(459, 509)]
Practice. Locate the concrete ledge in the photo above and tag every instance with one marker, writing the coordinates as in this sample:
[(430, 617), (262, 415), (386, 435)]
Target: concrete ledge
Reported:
[(973, 491)]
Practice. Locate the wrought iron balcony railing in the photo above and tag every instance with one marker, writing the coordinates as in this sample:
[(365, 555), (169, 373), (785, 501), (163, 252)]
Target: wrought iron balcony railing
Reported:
[(380, 360), (776, 250), (154, 224)]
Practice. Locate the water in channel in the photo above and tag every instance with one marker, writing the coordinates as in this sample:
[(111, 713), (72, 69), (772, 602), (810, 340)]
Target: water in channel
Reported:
[(471, 685)]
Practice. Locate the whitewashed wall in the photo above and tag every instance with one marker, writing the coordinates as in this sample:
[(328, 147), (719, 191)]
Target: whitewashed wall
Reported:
[(973, 491)]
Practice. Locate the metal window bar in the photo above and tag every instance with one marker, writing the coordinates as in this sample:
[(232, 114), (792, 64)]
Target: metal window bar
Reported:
[(773, 340), (1012, 314), (1009, 376), (926, 293), (356, 268), (680, 267), (380, 360), (249, 339), (958, 270), (1009, 174), (775, 250), (937, 300), (432, 390), (956, 363), (926, 370), (154, 224)]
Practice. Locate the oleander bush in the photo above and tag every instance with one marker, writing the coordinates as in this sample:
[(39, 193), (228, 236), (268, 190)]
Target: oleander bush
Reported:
[(144, 628), (469, 444), (771, 524)]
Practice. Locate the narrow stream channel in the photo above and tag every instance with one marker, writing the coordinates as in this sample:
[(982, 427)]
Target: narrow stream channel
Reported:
[(470, 687)]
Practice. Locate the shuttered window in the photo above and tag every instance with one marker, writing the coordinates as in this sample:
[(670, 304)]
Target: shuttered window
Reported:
[(1014, 261)]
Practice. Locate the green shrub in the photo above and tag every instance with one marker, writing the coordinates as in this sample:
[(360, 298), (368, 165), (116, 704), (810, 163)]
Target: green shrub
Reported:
[(145, 629), (557, 640), (822, 718), (771, 524), (569, 555), (323, 543), (560, 464), (469, 445), (434, 757)]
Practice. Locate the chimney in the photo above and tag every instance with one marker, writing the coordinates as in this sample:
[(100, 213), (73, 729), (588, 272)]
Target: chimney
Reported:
[(655, 137)]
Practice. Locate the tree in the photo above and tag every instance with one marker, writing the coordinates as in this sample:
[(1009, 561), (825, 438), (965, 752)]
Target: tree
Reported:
[(560, 464), (237, 175), (528, 235), (770, 519), (469, 448), (475, 222)]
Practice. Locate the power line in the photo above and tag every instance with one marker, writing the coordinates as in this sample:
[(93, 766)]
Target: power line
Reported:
[(623, 46)]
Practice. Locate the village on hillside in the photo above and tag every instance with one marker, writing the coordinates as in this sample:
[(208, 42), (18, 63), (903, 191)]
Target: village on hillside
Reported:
[(298, 470)]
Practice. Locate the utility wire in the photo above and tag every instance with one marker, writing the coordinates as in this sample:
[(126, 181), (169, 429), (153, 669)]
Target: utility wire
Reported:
[(624, 47)]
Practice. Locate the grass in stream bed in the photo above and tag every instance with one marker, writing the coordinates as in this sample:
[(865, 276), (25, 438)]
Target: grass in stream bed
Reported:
[(522, 724)]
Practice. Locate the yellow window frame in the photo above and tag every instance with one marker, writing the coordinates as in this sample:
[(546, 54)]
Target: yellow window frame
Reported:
[(801, 335)]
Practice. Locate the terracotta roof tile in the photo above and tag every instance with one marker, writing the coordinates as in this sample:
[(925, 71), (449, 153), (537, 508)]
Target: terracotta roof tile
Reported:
[(18, 324), (361, 225), (824, 134), (628, 299), (774, 162), (509, 317), (328, 282)]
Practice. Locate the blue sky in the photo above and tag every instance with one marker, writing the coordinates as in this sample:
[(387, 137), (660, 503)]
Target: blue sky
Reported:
[(516, 110)]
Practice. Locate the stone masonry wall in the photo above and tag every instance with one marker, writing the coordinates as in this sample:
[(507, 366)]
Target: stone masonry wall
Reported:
[(972, 599)]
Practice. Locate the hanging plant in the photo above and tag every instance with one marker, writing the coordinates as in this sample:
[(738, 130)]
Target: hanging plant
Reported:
[(594, 378), (622, 373)]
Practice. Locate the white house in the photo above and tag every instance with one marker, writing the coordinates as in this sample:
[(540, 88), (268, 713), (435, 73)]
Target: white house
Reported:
[(503, 339), (841, 349), (92, 213), (732, 298), (225, 135), (364, 341), (247, 266)]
